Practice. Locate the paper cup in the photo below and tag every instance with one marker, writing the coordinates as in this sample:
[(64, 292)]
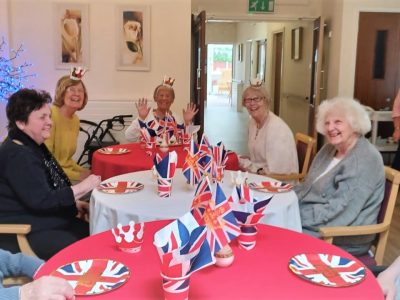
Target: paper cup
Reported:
[(129, 238), (175, 288), (248, 236), (164, 186), (186, 141)]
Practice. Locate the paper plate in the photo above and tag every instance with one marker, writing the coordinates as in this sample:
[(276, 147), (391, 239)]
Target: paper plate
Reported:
[(110, 150), (120, 187), (327, 270), (93, 276), (271, 186)]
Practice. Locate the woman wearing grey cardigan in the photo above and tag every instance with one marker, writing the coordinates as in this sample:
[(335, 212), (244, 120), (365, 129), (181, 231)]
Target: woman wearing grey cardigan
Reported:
[(345, 184)]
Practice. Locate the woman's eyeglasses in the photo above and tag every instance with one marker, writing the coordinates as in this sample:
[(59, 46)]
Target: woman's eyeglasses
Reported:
[(75, 90), (255, 99)]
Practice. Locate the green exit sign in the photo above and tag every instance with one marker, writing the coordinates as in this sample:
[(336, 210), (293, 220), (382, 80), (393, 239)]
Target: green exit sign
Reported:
[(261, 6)]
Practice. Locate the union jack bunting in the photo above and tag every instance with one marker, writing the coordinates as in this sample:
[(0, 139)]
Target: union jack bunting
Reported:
[(216, 214), (190, 167), (327, 269), (206, 156), (93, 276), (183, 247)]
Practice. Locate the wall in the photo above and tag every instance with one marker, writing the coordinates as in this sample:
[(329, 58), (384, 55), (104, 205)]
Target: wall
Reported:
[(3, 34), (110, 91)]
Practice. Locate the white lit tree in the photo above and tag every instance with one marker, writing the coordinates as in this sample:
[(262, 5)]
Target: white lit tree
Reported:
[(12, 76)]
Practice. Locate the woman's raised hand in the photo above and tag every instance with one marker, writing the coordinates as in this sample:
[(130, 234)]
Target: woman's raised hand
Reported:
[(142, 108), (189, 113)]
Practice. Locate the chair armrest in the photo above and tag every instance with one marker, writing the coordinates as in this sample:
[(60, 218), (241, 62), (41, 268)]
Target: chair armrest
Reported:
[(328, 233), (287, 177), (15, 228)]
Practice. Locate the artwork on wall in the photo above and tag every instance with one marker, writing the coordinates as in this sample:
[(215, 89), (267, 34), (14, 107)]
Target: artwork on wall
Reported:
[(133, 38), (297, 35), (71, 27)]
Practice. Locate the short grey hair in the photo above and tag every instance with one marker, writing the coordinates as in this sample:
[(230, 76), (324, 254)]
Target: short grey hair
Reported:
[(350, 109)]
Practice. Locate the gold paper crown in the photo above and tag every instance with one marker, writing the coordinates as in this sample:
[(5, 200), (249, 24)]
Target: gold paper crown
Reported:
[(168, 81), (77, 73), (256, 82)]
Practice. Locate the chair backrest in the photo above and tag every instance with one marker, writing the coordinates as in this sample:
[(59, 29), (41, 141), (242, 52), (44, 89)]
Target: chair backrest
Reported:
[(305, 151), (386, 211)]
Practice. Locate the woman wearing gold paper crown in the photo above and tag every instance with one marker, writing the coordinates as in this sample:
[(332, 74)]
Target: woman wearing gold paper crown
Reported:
[(271, 143), (161, 122), (70, 96)]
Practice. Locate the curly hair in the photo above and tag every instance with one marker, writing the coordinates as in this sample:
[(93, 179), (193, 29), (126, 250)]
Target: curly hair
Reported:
[(350, 109), (62, 85), (22, 103)]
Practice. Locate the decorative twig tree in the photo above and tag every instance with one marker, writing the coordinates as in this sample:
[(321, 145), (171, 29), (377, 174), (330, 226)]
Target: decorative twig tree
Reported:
[(12, 77)]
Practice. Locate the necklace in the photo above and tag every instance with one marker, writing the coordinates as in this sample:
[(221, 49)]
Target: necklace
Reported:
[(260, 125)]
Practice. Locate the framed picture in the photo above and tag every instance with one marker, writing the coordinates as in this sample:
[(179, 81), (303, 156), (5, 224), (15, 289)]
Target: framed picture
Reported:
[(71, 30), (297, 36), (133, 37)]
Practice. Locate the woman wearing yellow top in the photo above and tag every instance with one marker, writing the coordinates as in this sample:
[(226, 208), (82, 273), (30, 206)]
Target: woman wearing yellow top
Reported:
[(70, 96)]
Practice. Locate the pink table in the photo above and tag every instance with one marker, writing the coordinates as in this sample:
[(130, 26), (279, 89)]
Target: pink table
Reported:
[(261, 273), (111, 165)]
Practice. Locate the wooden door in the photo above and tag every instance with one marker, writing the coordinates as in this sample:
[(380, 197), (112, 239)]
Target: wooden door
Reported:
[(316, 74), (198, 80), (278, 50), (378, 59)]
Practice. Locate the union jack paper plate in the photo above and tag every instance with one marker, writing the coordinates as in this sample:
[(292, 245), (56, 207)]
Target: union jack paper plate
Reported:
[(120, 187), (93, 276), (327, 270), (271, 186), (110, 150)]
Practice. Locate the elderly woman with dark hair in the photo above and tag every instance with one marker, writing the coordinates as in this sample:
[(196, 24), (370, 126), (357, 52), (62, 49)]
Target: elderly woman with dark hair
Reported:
[(271, 143), (70, 96), (33, 187), (345, 184)]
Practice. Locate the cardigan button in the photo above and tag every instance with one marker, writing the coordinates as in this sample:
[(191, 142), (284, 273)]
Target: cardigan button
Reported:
[(323, 195)]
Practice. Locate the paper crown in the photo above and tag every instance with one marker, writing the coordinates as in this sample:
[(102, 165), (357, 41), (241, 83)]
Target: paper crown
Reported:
[(256, 82), (168, 81), (77, 73), (131, 237)]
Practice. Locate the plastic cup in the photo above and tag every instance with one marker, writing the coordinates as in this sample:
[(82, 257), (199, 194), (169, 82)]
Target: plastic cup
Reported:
[(175, 288)]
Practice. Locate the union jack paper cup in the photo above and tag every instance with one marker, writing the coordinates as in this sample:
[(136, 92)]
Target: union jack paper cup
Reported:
[(129, 238), (248, 236), (218, 175), (176, 288), (164, 186)]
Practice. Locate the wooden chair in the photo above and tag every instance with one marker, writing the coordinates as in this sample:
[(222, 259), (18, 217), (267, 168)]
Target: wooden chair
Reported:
[(20, 230), (305, 151), (381, 228)]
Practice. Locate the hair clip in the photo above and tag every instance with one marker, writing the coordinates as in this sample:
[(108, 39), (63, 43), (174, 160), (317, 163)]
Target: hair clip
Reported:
[(77, 73), (256, 82), (168, 81)]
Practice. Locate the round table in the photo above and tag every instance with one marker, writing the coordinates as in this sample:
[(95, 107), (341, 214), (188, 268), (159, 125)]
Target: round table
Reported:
[(109, 165), (107, 210), (261, 273)]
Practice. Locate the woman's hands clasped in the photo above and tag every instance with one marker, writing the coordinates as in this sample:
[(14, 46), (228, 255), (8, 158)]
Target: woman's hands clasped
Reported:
[(142, 108), (189, 113)]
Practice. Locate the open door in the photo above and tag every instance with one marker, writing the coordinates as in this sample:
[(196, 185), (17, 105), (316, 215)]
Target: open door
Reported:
[(316, 75), (198, 80)]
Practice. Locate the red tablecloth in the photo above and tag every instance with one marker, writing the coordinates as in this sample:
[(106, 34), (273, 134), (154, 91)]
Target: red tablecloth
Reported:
[(109, 165), (261, 273)]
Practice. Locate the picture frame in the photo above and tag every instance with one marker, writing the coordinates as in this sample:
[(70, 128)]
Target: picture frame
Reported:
[(240, 52), (297, 37), (133, 37), (71, 35)]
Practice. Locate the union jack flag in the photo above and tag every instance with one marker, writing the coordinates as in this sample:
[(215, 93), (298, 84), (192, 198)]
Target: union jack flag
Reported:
[(250, 213), (190, 167), (166, 166), (206, 156), (217, 215), (327, 269), (93, 276), (202, 197), (242, 194), (183, 247)]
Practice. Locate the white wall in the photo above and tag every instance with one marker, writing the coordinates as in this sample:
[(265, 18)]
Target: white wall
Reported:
[(110, 91)]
